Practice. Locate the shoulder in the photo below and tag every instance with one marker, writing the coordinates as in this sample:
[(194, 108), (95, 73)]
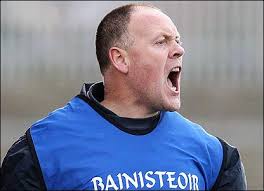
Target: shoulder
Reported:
[(226, 165), (18, 170), (194, 129), (206, 147), (232, 173), (72, 111), (65, 123)]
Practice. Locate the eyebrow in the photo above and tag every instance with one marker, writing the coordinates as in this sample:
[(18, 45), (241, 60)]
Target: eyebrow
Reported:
[(170, 37)]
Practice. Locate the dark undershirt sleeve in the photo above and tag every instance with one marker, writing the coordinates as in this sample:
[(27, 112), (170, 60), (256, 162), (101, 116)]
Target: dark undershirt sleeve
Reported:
[(18, 171), (232, 174)]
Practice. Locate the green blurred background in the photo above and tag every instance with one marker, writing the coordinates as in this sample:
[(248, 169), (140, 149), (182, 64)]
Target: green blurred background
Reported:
[(48, 51)]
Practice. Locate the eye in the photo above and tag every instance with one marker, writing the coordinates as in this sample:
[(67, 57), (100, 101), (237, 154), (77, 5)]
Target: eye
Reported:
[(161, 42)]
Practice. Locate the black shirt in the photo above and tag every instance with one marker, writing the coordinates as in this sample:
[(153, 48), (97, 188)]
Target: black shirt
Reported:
[(20, 171)]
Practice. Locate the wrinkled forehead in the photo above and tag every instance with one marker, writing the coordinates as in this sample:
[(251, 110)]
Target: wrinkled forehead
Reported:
[(149, 21)]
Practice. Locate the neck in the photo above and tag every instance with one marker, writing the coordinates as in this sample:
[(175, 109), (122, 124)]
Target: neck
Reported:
[(120, 99), (126, 109)]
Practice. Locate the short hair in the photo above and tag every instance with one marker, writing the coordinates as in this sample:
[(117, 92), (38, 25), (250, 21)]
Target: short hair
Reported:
[(112, 31)]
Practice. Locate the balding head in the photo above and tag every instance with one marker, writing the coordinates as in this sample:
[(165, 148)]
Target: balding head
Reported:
[(113, 31)]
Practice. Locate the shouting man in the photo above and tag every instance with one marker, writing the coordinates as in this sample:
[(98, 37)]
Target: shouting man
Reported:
[(125, 132)]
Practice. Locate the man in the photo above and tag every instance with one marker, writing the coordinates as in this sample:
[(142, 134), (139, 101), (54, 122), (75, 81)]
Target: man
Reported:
[(124, 133)]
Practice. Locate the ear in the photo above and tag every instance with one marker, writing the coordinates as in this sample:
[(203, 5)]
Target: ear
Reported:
[(119, 59)]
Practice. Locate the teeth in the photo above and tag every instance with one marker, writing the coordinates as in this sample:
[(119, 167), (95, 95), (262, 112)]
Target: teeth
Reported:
[(176, 69)]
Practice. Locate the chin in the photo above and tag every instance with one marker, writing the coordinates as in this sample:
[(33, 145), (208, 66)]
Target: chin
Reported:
[(174, 109), (173, 106)]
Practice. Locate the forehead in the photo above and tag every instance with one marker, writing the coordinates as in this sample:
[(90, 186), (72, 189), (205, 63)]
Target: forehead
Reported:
[(151, 22)]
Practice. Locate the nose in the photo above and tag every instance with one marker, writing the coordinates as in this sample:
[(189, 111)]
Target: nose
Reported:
[(176, 51)]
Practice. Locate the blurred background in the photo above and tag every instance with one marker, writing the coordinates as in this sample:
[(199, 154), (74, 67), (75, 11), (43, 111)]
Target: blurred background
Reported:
[(48, 52)]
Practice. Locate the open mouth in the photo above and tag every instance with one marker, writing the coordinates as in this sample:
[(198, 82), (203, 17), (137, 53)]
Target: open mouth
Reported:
[(173, 79)]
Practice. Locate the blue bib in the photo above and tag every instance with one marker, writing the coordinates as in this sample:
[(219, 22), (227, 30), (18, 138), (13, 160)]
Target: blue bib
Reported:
[(79, 149)]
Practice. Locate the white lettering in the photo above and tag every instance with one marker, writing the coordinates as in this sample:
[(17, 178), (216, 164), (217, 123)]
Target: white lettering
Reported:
[(181, 186), (195, 182), (120, 181), (190, 181), (131, 180), (170, 179), (150, 179), (110, 183), (141, 179), (160, 174), (147, 180), (100, 184)]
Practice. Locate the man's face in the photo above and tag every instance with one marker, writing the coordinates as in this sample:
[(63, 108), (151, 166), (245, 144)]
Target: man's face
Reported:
[(155, 60)]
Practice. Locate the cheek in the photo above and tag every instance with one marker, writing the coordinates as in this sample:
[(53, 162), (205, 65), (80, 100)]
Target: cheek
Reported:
[(148, 65), (149, 73)]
